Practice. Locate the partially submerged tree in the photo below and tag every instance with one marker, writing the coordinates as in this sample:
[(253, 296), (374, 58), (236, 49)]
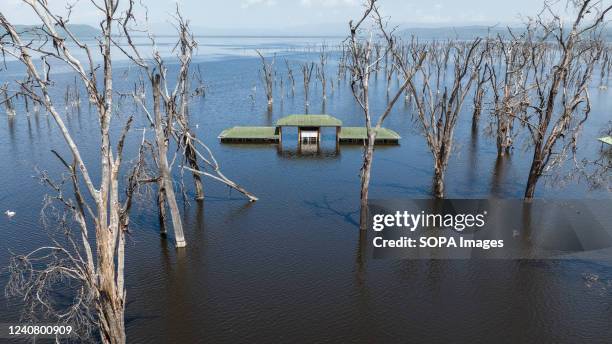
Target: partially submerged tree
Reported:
[(267, 76), (509, 87), (98, 272), (361, 64), (170, 120), (8, 101), (438, 107), (562, 102), (307, 69), (321, 73), (342, 65), (483, 76), (290, 77)]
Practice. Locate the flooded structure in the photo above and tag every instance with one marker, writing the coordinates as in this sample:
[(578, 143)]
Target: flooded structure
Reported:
[(309, 131)]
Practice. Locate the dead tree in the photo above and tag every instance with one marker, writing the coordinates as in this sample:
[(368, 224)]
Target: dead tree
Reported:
[(307, 69), (438, 107), (8, 101), (267, 76), (342, 68), (482, 78), (389, 70), (561, 92), (602, 69), (509, 93), (163, 131), (172, 121), (377, 55), (161, 119), (597, 173), (72, 96), (321, 76), (200, 89), (479, 95), (177, 102), (291, 77), (362, 64), (99, 270)]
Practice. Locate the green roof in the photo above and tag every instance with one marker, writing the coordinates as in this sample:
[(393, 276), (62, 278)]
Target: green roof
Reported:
[(360, 133), (309, 121), (607, 139), (249, 133)]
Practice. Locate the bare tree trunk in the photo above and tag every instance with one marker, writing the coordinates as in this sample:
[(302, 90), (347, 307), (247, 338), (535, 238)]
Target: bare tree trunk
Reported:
[(177, 224), (531, 185), (192, 159), (478, 98), (535, 172), (161, 207), (164, 169), (366, 170), (438, 180)]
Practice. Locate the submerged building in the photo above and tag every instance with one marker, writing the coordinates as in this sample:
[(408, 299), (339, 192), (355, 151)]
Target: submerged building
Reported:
[(309, 131)]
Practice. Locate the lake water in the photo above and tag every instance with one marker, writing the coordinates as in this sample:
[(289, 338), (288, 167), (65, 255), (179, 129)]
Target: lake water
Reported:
[(288, 268)]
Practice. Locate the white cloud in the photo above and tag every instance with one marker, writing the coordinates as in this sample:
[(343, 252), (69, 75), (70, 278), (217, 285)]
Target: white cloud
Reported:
[(250, 3)]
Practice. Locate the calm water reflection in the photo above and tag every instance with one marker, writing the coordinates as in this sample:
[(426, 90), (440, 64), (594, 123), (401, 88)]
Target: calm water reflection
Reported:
[(290, 268)]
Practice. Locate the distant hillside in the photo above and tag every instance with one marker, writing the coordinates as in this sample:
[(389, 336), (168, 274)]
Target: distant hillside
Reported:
[(424, 33), (80, 30)]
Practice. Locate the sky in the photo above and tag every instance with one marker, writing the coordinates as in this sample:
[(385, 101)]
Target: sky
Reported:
[(283, 16)]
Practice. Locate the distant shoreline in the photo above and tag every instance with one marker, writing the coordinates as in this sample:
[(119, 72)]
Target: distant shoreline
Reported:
[(250, 36)]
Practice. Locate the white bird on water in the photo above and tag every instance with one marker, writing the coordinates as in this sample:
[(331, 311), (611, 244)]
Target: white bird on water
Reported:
[(9, 213)]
